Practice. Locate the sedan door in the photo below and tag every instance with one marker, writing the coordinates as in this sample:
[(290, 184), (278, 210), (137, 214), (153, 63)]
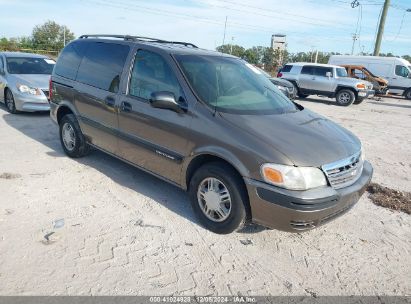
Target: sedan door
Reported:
[(153, 138)]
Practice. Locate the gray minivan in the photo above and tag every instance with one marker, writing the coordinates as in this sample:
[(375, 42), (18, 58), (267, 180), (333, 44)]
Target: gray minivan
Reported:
[(210, 124)]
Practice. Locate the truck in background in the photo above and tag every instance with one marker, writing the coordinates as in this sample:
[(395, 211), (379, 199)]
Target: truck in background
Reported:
[(396, 70)]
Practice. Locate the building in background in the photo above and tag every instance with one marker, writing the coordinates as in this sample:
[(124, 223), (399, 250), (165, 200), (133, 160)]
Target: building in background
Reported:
[(278, 42)]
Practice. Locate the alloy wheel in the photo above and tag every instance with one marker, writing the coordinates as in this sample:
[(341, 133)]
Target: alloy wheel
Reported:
[(344, 98)]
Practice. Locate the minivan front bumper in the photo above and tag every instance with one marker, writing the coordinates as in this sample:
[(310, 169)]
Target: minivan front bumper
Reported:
[(296, 211)]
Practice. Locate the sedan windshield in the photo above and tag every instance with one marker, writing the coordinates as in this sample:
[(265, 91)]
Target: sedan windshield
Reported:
[(29, 65), (232, 85)]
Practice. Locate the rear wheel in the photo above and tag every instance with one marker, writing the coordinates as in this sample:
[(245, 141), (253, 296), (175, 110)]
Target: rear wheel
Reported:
[(408, 94), (72, 139), (219, 198), (345, 97), (10, 104)]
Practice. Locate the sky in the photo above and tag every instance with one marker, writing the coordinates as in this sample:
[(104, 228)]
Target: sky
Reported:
[(324, 25)]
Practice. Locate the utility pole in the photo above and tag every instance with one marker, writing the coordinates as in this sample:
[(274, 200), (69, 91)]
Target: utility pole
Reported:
[(354, 38), (381, 28), (232, 42), (64, 35), (225, 27), (316, 56)]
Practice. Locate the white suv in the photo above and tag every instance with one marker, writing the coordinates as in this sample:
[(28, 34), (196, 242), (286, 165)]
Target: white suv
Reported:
[(326, 80)]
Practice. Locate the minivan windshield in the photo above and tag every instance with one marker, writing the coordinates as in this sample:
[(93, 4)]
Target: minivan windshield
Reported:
[(29, 65), (232, 85)]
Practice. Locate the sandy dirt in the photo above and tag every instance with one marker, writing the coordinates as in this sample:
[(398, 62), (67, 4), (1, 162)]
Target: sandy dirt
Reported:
[(96, 226)]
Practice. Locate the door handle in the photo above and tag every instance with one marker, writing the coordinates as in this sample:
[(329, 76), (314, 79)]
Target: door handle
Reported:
[(126, 106), (110, 101)]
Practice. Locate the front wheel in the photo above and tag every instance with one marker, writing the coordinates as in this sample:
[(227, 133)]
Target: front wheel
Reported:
[(219, 198), (72, 139), (408, 94), (345, 97), (10, 104)]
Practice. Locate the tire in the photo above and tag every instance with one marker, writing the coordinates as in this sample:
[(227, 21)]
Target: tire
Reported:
[(345, 97), (407, 94), (231, 215), (359, 100), (71, 138), (9, 102)]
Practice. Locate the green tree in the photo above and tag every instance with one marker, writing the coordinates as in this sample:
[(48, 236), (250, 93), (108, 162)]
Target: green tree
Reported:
[(50, 36), (232, 49), (407, 57)]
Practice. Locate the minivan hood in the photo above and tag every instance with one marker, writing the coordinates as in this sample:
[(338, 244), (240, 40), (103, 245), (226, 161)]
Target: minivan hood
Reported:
[(306, 138), (38, 81)]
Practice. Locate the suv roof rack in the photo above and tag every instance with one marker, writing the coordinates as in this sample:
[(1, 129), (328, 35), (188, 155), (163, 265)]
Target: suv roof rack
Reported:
[(139, 38)]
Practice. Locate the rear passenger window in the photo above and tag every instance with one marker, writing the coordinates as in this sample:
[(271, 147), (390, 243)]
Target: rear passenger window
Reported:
[(322, 71), (69, 60), (307, 70), (150, 74), (287, 68), (102, 65)]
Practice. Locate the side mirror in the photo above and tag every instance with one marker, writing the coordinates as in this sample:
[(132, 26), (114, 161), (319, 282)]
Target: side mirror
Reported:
[(165, 100), (329, 74)]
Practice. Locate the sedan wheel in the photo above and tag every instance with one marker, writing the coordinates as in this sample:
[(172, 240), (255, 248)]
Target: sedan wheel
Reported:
[(10, 104)]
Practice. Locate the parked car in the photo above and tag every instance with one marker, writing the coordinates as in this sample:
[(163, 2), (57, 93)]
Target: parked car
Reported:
[(326, 80), (380, 85), (396, 70), (209, 124), (286, 87), (24, 81)]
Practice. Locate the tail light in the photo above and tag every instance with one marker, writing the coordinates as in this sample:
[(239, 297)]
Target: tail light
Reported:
[(279, 74), (50, 89)]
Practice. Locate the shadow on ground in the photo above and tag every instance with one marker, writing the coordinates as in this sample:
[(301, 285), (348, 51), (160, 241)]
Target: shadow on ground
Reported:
[(41, 128)]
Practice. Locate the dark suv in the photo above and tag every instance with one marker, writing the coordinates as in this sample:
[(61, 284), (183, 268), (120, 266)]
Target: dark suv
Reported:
[(210, 124)]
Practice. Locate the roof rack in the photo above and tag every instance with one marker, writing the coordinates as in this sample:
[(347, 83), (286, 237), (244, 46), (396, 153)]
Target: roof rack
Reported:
[(139, 38)]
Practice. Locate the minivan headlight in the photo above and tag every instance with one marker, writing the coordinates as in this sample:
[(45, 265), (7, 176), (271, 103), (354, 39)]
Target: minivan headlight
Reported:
[(26, 89), (294, 178)]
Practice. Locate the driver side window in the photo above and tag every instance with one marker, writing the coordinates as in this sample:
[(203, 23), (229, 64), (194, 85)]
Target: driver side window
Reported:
[(150, 74), (402, 71)]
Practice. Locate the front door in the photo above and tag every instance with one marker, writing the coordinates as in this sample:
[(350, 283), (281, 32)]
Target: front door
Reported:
[(401, 81), (153, 138)]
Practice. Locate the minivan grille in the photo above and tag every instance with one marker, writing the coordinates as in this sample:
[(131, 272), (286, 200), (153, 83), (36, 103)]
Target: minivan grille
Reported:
[(345, 172)]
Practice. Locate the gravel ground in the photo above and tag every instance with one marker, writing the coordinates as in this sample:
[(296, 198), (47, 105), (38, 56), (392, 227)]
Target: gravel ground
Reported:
[(96, 226)]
